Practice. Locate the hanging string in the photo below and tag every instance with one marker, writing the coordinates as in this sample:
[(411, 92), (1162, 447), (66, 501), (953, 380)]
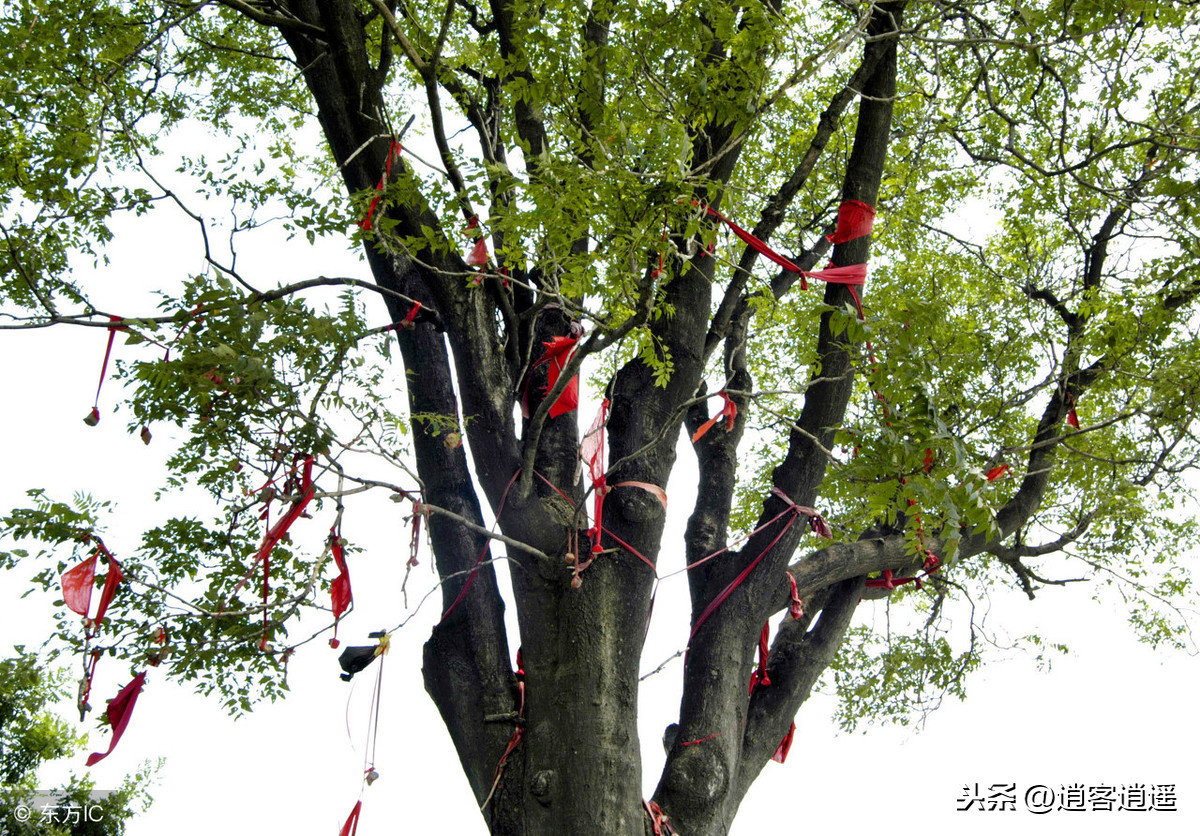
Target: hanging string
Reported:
[(93, 417)]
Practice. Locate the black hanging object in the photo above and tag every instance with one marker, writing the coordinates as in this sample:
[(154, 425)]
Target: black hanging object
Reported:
[(355, 659)]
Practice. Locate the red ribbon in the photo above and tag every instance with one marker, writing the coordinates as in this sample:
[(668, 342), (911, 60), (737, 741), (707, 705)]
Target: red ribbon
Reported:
[(93, 417), (855, 219), (394, 150), (658, 819), (275, 534), (785, 745), (728, 412), (591, 451), (889, 581), (340, 592), (77, 585), (854, 274), (479, 254), (796, 608), (351, 825), (118, 712), (760, 675), (558, 353)]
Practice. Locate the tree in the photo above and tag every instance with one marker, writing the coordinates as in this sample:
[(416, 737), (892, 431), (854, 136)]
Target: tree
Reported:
[(31, 735), (1016, 380)]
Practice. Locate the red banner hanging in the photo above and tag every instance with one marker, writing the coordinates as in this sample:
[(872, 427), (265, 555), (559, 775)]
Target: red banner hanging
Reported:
[(785, 745), (558, 353), (118, 712), (855, 219), (340, 592)]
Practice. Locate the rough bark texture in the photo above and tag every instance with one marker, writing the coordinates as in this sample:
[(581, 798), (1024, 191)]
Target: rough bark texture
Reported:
[(570, 751)]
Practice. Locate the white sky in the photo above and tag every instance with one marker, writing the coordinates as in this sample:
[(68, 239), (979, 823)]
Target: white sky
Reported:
[(1112, 712)]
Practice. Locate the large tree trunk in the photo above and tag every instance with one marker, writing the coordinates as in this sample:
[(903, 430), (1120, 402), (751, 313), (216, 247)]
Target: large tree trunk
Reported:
[(558, 753)]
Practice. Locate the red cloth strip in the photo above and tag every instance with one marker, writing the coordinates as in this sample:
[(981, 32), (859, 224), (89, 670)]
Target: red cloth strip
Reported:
[(558, 353), (285, 522), (462, 593), (785, 745), (815, 521), (755, 243), (998, 471), (591, 452), (351, 826), (658, 819), (77, 585), (854, 274), (728, 412), (275, 534), (340, 593), (111, 581), (118, 712), (478, 257), (411, 316), (855, 219), (889, 581), (796, 608), (93, 417), (394, 150), (760, 675), (736, 582)]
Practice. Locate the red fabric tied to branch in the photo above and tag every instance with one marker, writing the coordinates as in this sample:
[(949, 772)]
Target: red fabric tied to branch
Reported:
[(351, 825), (890, 581), (796, 608), (93, 417), (339, 591), (77, 585), (558, 353), (660, 824), (754, 242), (728, 412), (785, 745), (760, 676), (277, 532), (394, 150), (855, 219), (478, 256), (78, 582), (854, 274), (793, 511), (1072, 415), (411, 316), (118, 712)]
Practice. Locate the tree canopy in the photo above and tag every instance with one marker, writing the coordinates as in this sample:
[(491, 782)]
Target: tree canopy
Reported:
[(915, 282)]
